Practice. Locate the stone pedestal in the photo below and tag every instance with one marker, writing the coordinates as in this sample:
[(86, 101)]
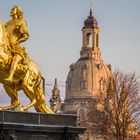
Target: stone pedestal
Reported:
[(38, 126)]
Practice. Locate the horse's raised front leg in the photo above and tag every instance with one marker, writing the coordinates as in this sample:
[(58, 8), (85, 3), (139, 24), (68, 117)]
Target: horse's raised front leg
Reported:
[(11, 91)]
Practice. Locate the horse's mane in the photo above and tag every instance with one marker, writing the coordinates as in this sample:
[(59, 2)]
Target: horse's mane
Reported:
[(1, 22), (5, 34), (3, 27)]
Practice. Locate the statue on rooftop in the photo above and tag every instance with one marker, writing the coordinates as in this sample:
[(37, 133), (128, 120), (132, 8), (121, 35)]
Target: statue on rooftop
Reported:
[(17, 70)]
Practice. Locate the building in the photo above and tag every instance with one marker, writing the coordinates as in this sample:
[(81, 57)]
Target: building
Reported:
[(87, 82)]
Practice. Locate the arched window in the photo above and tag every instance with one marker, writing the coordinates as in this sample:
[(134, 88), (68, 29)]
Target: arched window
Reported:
[(97, 40), (89, 40)]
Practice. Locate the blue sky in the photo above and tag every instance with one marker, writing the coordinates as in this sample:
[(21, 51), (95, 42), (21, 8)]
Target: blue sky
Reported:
[(56, 38)]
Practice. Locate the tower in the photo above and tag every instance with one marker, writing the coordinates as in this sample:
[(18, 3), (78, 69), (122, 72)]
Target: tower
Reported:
[(87, 82), (55, 101)]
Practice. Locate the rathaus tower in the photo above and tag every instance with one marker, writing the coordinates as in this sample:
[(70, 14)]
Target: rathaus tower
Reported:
[(87, 82)]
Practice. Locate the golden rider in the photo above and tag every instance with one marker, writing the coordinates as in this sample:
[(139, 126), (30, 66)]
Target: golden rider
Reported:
[(18, 32)]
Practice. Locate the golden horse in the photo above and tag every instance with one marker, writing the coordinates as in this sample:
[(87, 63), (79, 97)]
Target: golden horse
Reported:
[(27, 77)]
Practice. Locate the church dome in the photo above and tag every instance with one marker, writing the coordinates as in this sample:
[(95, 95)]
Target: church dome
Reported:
[(87, 78)]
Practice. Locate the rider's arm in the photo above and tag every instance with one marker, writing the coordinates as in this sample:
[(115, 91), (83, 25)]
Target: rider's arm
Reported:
[(24, 33), (23, 38)]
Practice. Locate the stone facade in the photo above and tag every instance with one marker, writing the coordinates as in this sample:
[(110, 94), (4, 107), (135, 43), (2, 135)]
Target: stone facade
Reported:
[(87, 82)]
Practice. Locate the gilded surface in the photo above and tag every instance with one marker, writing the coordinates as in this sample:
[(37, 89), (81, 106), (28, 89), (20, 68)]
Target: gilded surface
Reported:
[(17, 70)]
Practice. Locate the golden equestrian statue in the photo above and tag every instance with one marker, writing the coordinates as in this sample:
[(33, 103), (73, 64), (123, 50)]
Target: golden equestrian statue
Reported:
[(17, 70)]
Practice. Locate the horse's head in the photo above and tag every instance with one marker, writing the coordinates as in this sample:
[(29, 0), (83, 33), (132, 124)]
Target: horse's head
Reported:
[(4, 43), (1, 33)]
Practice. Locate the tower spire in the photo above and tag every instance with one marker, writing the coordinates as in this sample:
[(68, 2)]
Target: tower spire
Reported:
[(55, 85), (90, 7)]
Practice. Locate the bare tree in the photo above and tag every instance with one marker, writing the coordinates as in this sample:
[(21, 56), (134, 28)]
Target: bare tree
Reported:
[(122, 106)]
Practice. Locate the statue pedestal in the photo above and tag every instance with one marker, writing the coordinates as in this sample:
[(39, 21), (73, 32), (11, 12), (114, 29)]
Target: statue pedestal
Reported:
[(38, 126)]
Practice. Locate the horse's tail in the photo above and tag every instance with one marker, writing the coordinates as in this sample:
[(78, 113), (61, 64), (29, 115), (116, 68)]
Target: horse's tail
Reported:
[(40, 97)]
